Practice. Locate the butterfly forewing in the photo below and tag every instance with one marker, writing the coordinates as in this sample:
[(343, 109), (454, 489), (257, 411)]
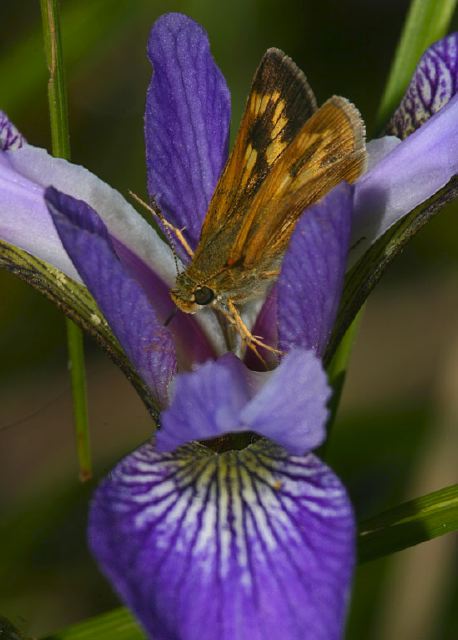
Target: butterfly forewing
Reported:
[(279, 104)]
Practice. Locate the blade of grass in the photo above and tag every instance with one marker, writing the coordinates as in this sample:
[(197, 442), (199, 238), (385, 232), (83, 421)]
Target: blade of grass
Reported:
[(409, 524), (58, 111)]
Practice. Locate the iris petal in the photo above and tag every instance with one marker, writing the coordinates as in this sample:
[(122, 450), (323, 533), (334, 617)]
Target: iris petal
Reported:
[(287, 405), (407, 176), (148, 344), (311, 278), (186, 122), (433, 84), (250, 544), (10, 137)]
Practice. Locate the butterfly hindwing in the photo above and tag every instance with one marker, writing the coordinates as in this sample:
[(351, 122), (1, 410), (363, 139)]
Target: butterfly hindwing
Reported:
[(329, 148)]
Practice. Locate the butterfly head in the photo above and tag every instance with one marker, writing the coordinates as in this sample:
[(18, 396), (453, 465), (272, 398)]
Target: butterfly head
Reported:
[(190, 296)]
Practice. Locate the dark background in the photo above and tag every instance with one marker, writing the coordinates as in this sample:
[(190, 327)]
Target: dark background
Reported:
[(396, 432)]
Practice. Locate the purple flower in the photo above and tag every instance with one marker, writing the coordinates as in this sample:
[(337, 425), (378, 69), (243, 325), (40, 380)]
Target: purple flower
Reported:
[(255, 540)]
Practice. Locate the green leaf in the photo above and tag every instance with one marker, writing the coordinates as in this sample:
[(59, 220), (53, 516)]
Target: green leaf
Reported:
[(409, 524), (426, 22), (75, 302), (114, 625), (363, 277)]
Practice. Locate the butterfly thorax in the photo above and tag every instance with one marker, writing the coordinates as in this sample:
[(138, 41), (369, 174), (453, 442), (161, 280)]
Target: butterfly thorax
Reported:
[(195, 289)]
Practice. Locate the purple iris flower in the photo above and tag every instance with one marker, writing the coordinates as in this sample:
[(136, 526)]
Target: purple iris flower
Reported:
[(253, 536)]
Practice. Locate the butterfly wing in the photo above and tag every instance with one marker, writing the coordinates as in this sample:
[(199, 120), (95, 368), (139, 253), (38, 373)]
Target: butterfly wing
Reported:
[(286, 156), (279, 104), (329, 148)]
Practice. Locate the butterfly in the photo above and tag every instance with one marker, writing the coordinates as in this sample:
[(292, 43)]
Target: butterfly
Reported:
[(287, 155)]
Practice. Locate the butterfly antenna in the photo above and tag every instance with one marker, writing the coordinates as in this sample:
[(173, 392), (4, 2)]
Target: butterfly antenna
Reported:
[(169, 229)]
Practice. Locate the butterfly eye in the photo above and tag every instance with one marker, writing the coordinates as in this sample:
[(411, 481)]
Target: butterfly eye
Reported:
[(204, 295)]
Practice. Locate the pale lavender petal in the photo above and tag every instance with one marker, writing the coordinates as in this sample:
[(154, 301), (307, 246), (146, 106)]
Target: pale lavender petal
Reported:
[(186, 122), (205, 403), (378, 148), (287, 405), (25, 222), (407, 176), (147, 343), (311, 278), (434, 83), (290, 408), (246, 545), (10, 137)]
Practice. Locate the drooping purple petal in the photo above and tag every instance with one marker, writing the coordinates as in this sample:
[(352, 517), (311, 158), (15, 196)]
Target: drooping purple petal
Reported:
[(26, 223), (123, 302), (246, 545), (10, 137), (311, 277), (433, 84), (287, 405), (407, 176), (186, 122)]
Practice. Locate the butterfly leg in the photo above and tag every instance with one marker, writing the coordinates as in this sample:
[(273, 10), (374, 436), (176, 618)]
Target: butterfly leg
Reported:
[(248, 338)]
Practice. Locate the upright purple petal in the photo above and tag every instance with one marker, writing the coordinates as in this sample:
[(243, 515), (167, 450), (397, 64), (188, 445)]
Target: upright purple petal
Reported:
[(246, 545), (186, 122), (407, 176), (312, 272), (433, 84), (10, 137), (121, 299), (287, 405)]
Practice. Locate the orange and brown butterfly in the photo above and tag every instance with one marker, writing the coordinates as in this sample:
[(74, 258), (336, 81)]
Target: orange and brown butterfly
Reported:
[(287, 155)]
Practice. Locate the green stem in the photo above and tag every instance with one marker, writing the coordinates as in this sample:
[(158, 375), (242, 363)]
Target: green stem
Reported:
[(426, 22), (337, 373), (58, 112)]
